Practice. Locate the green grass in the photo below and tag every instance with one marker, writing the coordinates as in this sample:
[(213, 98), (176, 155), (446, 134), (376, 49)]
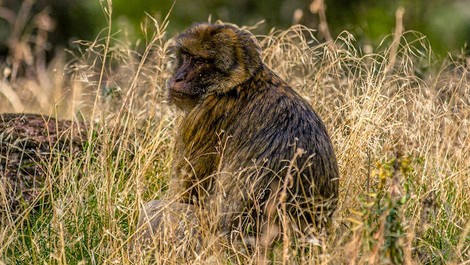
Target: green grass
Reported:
[(398, 119)]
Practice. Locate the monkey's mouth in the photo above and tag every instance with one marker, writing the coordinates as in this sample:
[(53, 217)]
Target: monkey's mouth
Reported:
[(184, 101), (182, 95)]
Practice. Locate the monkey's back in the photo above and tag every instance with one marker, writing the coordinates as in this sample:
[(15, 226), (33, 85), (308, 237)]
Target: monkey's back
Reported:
[(254, 136)]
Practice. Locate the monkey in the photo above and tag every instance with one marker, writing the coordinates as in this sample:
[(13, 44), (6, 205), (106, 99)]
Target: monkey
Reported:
[(249, 150)]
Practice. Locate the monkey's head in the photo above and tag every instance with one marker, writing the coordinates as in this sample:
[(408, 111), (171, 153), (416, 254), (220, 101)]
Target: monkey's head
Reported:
[(211, 58)]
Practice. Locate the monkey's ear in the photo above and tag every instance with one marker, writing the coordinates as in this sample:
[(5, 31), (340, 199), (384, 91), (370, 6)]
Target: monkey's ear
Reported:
[(252, 51), (236, 48), (225, 52)]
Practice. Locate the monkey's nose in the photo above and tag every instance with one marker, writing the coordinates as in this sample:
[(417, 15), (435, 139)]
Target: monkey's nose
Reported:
[(180, 76), (176, 86)]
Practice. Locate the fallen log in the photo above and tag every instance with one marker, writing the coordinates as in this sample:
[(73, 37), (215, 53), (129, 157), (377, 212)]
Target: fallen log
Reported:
[(28, 144)]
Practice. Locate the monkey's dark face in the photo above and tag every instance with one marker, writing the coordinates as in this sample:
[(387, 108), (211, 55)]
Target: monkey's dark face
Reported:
[(211, 59), (188, 83)]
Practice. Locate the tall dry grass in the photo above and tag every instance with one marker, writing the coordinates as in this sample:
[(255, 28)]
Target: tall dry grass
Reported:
[(399, 121)]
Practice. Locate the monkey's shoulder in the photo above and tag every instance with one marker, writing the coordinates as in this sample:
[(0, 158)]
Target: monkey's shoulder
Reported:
[(281, 101), (276, 111)]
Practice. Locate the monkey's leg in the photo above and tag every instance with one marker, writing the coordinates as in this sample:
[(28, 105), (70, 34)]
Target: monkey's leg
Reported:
[(168, 227)]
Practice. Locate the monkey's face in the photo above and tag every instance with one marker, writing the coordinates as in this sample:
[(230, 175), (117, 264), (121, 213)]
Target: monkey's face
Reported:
[(211, 59), (188, 83)]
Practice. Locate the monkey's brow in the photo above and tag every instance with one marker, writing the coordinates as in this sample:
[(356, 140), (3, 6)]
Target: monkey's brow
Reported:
[(185, 51), (200, 56)]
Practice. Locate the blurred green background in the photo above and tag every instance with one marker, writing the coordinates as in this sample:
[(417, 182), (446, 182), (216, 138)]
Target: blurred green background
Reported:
[(445, 22)]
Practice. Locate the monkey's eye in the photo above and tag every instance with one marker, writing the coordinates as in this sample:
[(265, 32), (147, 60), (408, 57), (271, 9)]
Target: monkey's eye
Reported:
[(182, 55), (201, 61)]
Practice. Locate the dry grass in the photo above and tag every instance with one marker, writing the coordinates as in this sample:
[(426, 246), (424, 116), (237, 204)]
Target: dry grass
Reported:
[(399, 121)]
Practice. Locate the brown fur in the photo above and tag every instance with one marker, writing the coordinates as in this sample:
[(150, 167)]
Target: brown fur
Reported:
[(249, 149)]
